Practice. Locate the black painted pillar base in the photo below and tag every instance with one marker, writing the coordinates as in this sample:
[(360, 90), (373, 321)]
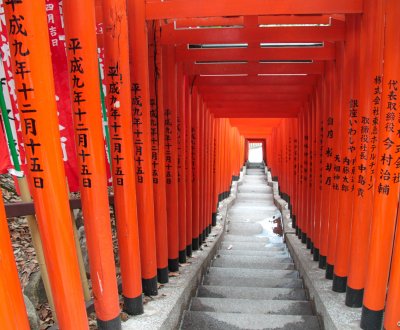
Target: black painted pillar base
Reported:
[(114, 324), (203, 235), (201, 238), (150, 286), (182, 256), (173, 265), (162, 275), (195, 244), (316, 254), (329, 271), (322, 262), (189, 250), (214, 219), (371, 320), (294, 221), (299, 233), (308, 243), (354, 297), (311, 247), (209, 228), (339, 283), (304, 238), (133, 306)]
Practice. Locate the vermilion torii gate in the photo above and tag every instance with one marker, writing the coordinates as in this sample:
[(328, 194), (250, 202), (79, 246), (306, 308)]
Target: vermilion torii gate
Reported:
[(188, 82)]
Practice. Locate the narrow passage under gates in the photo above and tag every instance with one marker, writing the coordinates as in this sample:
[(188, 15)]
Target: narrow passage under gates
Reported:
[(252, 282)]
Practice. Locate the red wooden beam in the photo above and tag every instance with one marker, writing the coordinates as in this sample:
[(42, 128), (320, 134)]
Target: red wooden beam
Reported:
[(256, 68), (251, 122), (257, 89), (294, 19), (256, 54), (238, 20), (253, 34), (253, 80), (211, 8), (217, 97), (254, 104), (249, 113)]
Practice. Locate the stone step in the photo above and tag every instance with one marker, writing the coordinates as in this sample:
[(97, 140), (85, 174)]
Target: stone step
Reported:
[(262, 264), (215, 291), (263, 273), (230, 321), (238, 227), (252, 282), (255, 186), (254, 259), (251, 246), (253, 253), (253, 265), (249, 306), (243, 238)]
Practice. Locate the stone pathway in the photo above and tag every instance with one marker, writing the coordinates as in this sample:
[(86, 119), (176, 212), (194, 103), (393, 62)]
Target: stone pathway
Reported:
[(252, 282)]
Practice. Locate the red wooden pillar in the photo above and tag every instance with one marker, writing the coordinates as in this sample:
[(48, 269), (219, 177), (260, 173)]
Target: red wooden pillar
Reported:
[(295, 171), (300, 197), (202, 171), (222, 166), (371, 64), (181, 132), (318, 127), (306, 199), (207, 174), (336, 162), (195, 170), (142, 143), (188, 165), (327, 160), (118, 102), (386, 197), (217, 148), (171, 156), (246, 150), (29, 46), (80, 32), (12, 309), (310, 176), (158, 151), (211, 173), (349, 122)]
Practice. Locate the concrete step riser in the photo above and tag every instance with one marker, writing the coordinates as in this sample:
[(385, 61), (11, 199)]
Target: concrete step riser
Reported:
[(260, 273), (247, 306), (253, 282), (251, 293), (253, 265), (231, 321), (253, 253), (255, 259)]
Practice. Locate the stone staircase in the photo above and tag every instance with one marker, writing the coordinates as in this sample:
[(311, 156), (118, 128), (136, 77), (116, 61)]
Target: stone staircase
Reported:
[(252, 282)]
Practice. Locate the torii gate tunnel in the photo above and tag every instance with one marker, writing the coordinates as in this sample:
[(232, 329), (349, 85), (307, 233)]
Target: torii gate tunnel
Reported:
[(188, 84)]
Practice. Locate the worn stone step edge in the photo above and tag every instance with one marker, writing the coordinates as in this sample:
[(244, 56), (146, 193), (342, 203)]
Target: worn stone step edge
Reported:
[(248, 306), (229, 321)]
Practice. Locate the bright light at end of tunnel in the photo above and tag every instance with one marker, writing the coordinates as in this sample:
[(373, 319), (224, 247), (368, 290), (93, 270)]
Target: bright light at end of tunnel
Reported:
[(255, 153)]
